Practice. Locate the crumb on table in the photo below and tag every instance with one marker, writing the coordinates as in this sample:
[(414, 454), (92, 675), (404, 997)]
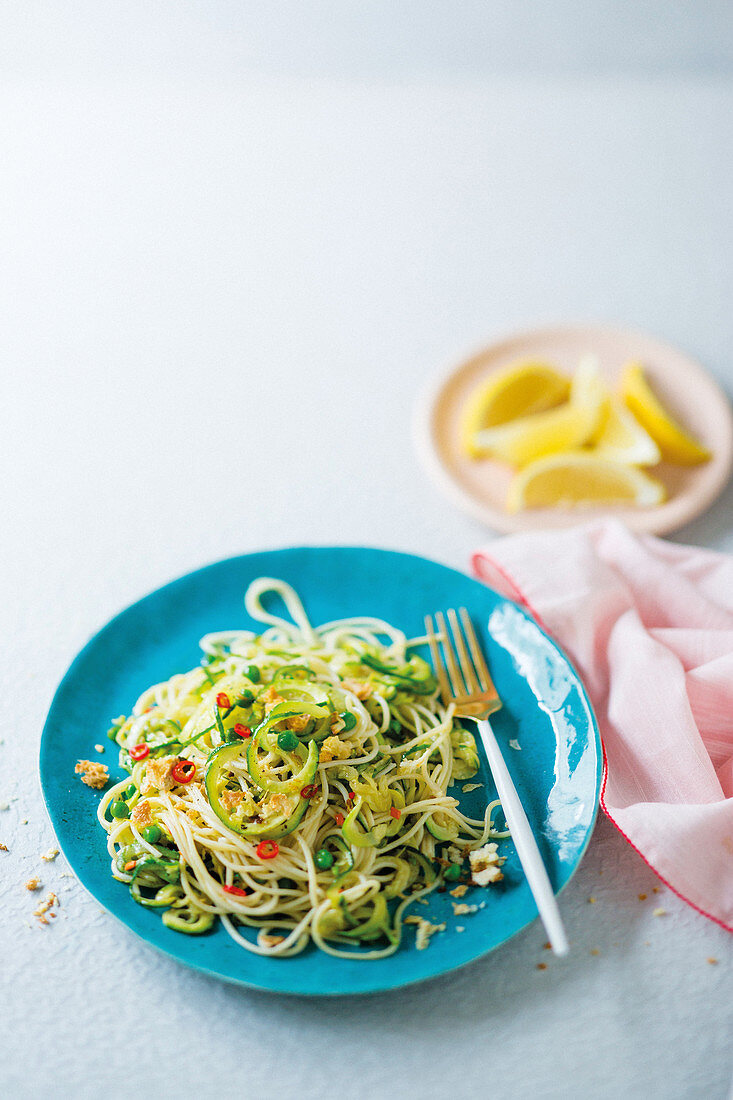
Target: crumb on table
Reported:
[(92, 773), (33, 883), (45, 907), (459, 891), (99, 748), (659, 912), (50, 855), (3, 847)]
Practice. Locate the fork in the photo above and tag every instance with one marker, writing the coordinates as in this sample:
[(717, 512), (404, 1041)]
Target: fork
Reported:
[(466, 682)]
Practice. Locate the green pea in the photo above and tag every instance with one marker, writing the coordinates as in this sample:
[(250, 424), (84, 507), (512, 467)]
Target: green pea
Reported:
[(452, 872), (348, 719), (119, 810), (246, 699), (287, 741), (253, 674), (152, 833), (324, 859)]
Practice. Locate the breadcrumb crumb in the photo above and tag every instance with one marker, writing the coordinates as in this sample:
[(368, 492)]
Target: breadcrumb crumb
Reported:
[(424, 931), (3, 847), (45, 907), (333, 748), (594, 951), (659, 912), (50, 855), (542, 966), (485, 865), (642, 897), (92, 773), (468, 787), (591, 901), (712, 961), (459, 892), (266, 940), (33, 883), (460, 908), (99, 748)]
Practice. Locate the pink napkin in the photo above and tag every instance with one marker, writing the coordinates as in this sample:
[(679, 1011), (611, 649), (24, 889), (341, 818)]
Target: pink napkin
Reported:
[(649, 626)]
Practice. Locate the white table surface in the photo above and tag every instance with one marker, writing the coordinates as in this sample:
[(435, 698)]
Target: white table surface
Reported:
[(222, 290)]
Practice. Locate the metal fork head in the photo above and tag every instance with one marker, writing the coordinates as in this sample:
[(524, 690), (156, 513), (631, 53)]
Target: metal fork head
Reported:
[(460, 666)]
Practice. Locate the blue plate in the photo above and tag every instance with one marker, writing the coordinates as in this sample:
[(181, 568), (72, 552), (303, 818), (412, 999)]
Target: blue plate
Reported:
[(557, 770)]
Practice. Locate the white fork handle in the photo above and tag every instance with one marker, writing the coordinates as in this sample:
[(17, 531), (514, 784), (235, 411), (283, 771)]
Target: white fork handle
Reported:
[(525, 843)]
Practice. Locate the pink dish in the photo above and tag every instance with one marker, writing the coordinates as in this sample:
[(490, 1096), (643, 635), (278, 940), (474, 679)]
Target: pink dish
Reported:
[(479, 486)]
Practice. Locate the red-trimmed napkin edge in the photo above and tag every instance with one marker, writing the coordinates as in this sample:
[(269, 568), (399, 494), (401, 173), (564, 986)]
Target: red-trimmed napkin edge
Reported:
[(520, 597)]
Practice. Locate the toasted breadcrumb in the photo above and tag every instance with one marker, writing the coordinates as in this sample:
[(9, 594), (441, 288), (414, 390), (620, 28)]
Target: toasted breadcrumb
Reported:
[(142, 814), (655, 889), (460, 928), (542, 966), (33, 883), (642, 897), (712, 961), (547, 946), (4, 805), (333, 748), (45, 908), (468, 787), (50, 855), (460, 908), (594, 951), (158, 775), (459, 892), (266, 940), (92, 773), (485, 863), (591, 901), (360, 688), (424, 931), (3, 847), (659, 912), (99, 748)]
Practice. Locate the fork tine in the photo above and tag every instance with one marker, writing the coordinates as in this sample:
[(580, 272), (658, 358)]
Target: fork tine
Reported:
[(437, 659), (487, 684), (469, 673), (450, 658)]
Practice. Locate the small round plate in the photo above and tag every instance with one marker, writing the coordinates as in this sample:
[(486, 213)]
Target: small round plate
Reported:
[(557, 769), (479, 487)]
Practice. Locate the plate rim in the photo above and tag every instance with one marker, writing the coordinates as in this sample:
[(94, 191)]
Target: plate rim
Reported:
[(505, 522), (243, 982)]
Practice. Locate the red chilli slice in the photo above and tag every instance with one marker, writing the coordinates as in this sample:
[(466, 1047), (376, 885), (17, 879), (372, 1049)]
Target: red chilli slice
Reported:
[(183, 771), (222, 701), (310, 791), (395, 813), (139, 752), (340, 819), (237, 891), (267, 849), (242, 731)]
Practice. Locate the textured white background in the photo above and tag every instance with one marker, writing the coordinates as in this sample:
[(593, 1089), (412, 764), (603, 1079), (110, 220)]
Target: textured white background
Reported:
[(234, 246)]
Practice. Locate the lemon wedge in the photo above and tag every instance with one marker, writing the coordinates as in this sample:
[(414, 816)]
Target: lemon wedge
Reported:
[(520, 389), (674, 442), (570, 425), (621, 438), (579, 478)]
